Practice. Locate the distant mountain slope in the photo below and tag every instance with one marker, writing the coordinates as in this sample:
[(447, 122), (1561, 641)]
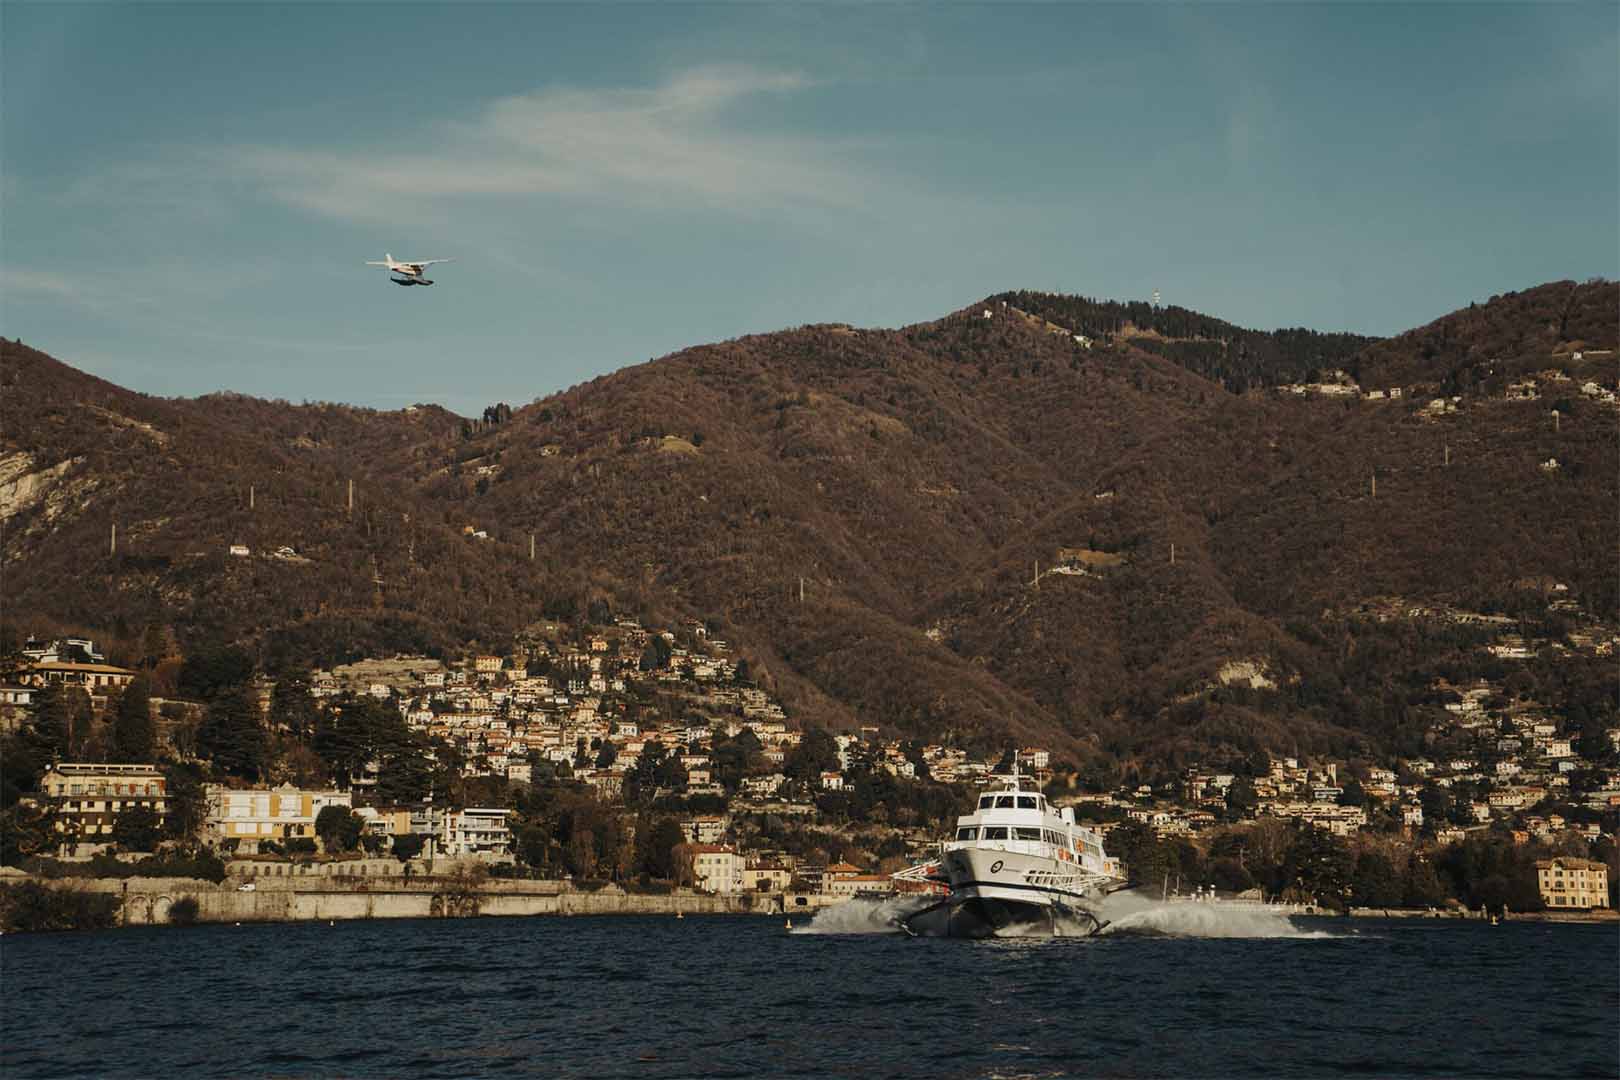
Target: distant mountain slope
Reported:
[(183, 481), (1508, 334), (961, 529), (1236, 357)]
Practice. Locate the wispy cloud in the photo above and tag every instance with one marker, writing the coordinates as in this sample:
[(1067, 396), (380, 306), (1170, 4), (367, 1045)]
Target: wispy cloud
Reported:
[(682, 143), (107, 294), (38, 282), (78, 291)]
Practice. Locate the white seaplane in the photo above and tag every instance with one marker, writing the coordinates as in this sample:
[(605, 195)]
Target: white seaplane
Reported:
[(1015, 864), (410, 273)]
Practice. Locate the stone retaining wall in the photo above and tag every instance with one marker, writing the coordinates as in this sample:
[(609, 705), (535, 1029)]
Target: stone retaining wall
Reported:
[(148, 901)]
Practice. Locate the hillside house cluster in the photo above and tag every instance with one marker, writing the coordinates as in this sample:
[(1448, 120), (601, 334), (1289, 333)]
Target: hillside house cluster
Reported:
[(245, 820), (578, 715)]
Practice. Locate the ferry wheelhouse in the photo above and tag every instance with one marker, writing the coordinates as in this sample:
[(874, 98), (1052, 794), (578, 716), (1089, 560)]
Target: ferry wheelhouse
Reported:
[(1015, 864)]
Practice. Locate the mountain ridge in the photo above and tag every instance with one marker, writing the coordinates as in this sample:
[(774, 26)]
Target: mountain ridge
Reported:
[(913, 483)]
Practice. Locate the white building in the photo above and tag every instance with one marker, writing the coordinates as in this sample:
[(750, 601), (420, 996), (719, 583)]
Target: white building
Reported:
[(717, 869), (476, 833)]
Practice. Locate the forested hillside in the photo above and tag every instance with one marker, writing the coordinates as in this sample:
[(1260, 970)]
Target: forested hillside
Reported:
[(1230, 355), (977, 528), (1486, 344)]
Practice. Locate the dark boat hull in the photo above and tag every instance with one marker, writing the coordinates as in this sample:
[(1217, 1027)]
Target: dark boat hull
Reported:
[(982, 917)]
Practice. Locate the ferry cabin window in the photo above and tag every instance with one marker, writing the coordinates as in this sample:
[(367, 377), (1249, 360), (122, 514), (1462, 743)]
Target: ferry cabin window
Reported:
[(968, 833), (1026, 802), (1027, 834), (1004, 802), (986, 802), (995, 832)]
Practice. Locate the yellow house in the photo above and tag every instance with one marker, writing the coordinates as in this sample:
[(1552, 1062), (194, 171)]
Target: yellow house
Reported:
[(253, 815), (387, 822), (1579, 884), (88, 798)]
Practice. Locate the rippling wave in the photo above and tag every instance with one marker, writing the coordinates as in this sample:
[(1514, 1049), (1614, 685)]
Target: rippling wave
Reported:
[(1171, 990)]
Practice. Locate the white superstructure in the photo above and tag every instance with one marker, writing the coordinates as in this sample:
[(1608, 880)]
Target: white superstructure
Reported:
[(1016, 860)]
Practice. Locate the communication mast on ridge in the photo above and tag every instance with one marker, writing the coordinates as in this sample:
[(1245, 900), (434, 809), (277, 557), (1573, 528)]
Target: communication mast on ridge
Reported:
[(1155, 297)]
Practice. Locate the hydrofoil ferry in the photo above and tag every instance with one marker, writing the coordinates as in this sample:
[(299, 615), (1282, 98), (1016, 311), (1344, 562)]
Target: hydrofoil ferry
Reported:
[(1016, 865)]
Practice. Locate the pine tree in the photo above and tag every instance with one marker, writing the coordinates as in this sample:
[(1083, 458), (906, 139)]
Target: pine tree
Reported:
[(406, 775), (232, 736), (188, 801), (134, 735), (291, 707), (62, 716)]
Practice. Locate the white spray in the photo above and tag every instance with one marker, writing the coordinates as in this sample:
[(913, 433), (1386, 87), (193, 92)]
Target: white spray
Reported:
[(1124, 912), (1135, 912), (865, 915)]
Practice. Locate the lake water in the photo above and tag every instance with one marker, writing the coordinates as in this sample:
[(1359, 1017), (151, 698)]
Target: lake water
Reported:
[(1167, 991)]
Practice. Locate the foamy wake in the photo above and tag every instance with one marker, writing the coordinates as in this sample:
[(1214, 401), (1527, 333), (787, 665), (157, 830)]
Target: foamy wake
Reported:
[(1130, 912), (1125, 913), (864, 915)]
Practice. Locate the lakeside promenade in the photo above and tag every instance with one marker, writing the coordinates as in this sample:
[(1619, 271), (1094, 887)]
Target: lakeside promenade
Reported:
[(150, 901)]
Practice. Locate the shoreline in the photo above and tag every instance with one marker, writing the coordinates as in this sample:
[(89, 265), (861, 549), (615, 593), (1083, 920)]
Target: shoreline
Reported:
[(1596, 916), (148, 901)]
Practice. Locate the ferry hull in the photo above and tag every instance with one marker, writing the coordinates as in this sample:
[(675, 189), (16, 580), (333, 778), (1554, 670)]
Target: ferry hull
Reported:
[(1006, 894)]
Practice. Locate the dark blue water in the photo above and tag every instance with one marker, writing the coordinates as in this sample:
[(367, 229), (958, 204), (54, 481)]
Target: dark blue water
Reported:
[(660, 997)]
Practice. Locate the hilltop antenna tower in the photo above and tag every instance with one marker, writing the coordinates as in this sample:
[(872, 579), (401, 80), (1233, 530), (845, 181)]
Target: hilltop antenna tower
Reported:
[(1155, 298)]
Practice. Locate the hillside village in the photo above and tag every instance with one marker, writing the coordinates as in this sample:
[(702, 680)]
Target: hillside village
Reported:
[(781, 602), (658, 729)]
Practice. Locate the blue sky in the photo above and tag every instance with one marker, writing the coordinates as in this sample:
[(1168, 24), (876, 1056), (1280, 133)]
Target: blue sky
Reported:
[(190, 192)]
